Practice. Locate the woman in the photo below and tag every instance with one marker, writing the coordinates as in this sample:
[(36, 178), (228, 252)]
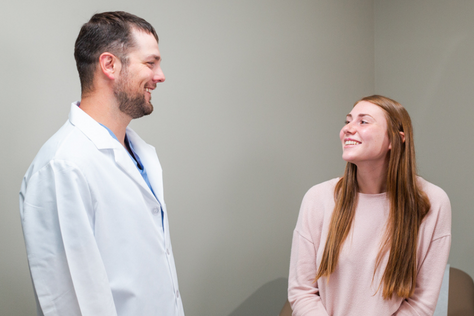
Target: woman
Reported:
[(376, 241)]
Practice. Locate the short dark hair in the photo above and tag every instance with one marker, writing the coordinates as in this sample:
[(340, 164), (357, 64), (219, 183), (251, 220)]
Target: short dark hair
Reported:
[(106, 32)]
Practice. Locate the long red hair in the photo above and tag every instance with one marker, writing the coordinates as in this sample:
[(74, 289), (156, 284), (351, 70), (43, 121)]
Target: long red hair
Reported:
[(408, 206)]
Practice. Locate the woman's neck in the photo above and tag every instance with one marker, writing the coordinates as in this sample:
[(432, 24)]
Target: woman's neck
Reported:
[(372, 179)]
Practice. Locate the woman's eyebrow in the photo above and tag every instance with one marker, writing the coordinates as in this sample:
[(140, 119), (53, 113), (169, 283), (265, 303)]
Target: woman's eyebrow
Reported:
[(360, 115)]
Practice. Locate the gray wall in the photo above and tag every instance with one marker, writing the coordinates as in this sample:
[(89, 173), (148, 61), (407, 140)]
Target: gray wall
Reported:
[(246, 122), (424, 58)]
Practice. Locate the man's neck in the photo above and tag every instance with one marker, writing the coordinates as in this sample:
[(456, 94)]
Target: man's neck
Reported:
[(107, 112)]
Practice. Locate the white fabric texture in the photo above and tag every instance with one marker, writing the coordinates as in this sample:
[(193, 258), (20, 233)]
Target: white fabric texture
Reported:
[(93, 228)]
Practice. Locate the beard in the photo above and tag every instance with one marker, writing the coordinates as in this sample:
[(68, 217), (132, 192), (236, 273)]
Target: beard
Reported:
[(130, 103)]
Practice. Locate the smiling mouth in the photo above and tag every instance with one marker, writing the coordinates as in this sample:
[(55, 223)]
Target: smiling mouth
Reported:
[(351, 142)]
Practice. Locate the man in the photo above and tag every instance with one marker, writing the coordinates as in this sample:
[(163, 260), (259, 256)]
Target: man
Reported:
[(92, 207)]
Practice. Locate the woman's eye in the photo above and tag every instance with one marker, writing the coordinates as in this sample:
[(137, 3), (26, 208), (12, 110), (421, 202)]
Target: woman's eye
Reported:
[(363, 122), (346, 122)]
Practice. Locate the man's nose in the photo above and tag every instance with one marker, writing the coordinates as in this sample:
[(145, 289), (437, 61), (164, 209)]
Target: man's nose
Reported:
[(159, 76)]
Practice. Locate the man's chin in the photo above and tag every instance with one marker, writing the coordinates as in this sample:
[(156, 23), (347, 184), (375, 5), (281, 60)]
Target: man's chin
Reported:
[(136, 110), (148, 109), (144, 112)]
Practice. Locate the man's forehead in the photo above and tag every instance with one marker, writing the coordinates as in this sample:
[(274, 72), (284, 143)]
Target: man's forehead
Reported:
[(145, 44), (138, 34)]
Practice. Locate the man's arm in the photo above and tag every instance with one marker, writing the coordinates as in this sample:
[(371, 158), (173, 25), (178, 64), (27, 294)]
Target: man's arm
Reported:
[(66, 267)]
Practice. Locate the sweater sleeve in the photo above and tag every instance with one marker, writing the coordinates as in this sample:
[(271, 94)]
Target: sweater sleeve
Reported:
[(433, 253), (428, 282), (303, 292)]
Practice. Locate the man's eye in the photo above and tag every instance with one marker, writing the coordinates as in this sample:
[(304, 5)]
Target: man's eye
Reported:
[(346, 122), (363, 122)]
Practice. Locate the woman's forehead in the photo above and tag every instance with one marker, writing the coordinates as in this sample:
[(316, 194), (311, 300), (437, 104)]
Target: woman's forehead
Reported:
[(364, 108)]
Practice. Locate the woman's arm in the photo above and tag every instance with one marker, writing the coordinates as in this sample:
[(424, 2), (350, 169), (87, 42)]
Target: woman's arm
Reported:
[(428, 281), (303, 292), (433, 253)]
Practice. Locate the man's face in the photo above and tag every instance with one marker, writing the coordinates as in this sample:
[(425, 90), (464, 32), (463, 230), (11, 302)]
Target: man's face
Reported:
[(139, 77)]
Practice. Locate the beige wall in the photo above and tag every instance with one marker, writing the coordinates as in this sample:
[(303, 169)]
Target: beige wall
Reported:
[(246, 122), (424, 58)]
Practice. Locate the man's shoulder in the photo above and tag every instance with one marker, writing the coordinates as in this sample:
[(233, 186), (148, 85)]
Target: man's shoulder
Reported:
[(67, 144)]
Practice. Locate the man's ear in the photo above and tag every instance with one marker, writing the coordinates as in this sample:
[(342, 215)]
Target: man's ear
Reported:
[(109, 65)]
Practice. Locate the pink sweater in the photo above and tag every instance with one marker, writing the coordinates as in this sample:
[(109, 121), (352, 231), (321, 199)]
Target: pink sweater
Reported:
[(350, 289)]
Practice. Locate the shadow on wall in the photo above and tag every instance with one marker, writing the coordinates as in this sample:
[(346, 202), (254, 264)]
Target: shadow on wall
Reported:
[(267, 300)]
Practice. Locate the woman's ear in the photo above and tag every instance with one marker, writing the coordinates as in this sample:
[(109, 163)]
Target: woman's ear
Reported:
[(402, 135)]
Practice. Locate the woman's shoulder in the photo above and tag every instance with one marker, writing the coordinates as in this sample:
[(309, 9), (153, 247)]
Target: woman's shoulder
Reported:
[(317, 206), (434, 192), (323, 187), (439, 216), (321, 191)]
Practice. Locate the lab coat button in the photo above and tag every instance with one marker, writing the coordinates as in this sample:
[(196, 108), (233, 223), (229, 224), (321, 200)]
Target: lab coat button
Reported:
[(155, 210), (177, 293)]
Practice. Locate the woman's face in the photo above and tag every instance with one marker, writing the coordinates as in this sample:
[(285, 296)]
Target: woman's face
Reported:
[(364, 137)]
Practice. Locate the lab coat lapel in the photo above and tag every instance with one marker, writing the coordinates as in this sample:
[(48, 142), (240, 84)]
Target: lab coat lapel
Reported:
[(102, 140), (125, 163), (147, 154)]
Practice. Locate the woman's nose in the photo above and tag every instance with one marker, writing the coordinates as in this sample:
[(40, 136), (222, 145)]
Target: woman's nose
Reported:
[(348, 129)]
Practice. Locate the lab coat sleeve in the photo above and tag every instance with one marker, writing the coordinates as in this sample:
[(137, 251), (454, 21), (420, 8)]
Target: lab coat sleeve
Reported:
[(58, 224)]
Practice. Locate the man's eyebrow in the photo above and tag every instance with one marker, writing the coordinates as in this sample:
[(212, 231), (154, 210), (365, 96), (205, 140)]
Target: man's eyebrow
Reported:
[(155, 57)]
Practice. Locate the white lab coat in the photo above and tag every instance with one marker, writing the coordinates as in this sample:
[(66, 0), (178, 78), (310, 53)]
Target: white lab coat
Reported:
[(93, 229)]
